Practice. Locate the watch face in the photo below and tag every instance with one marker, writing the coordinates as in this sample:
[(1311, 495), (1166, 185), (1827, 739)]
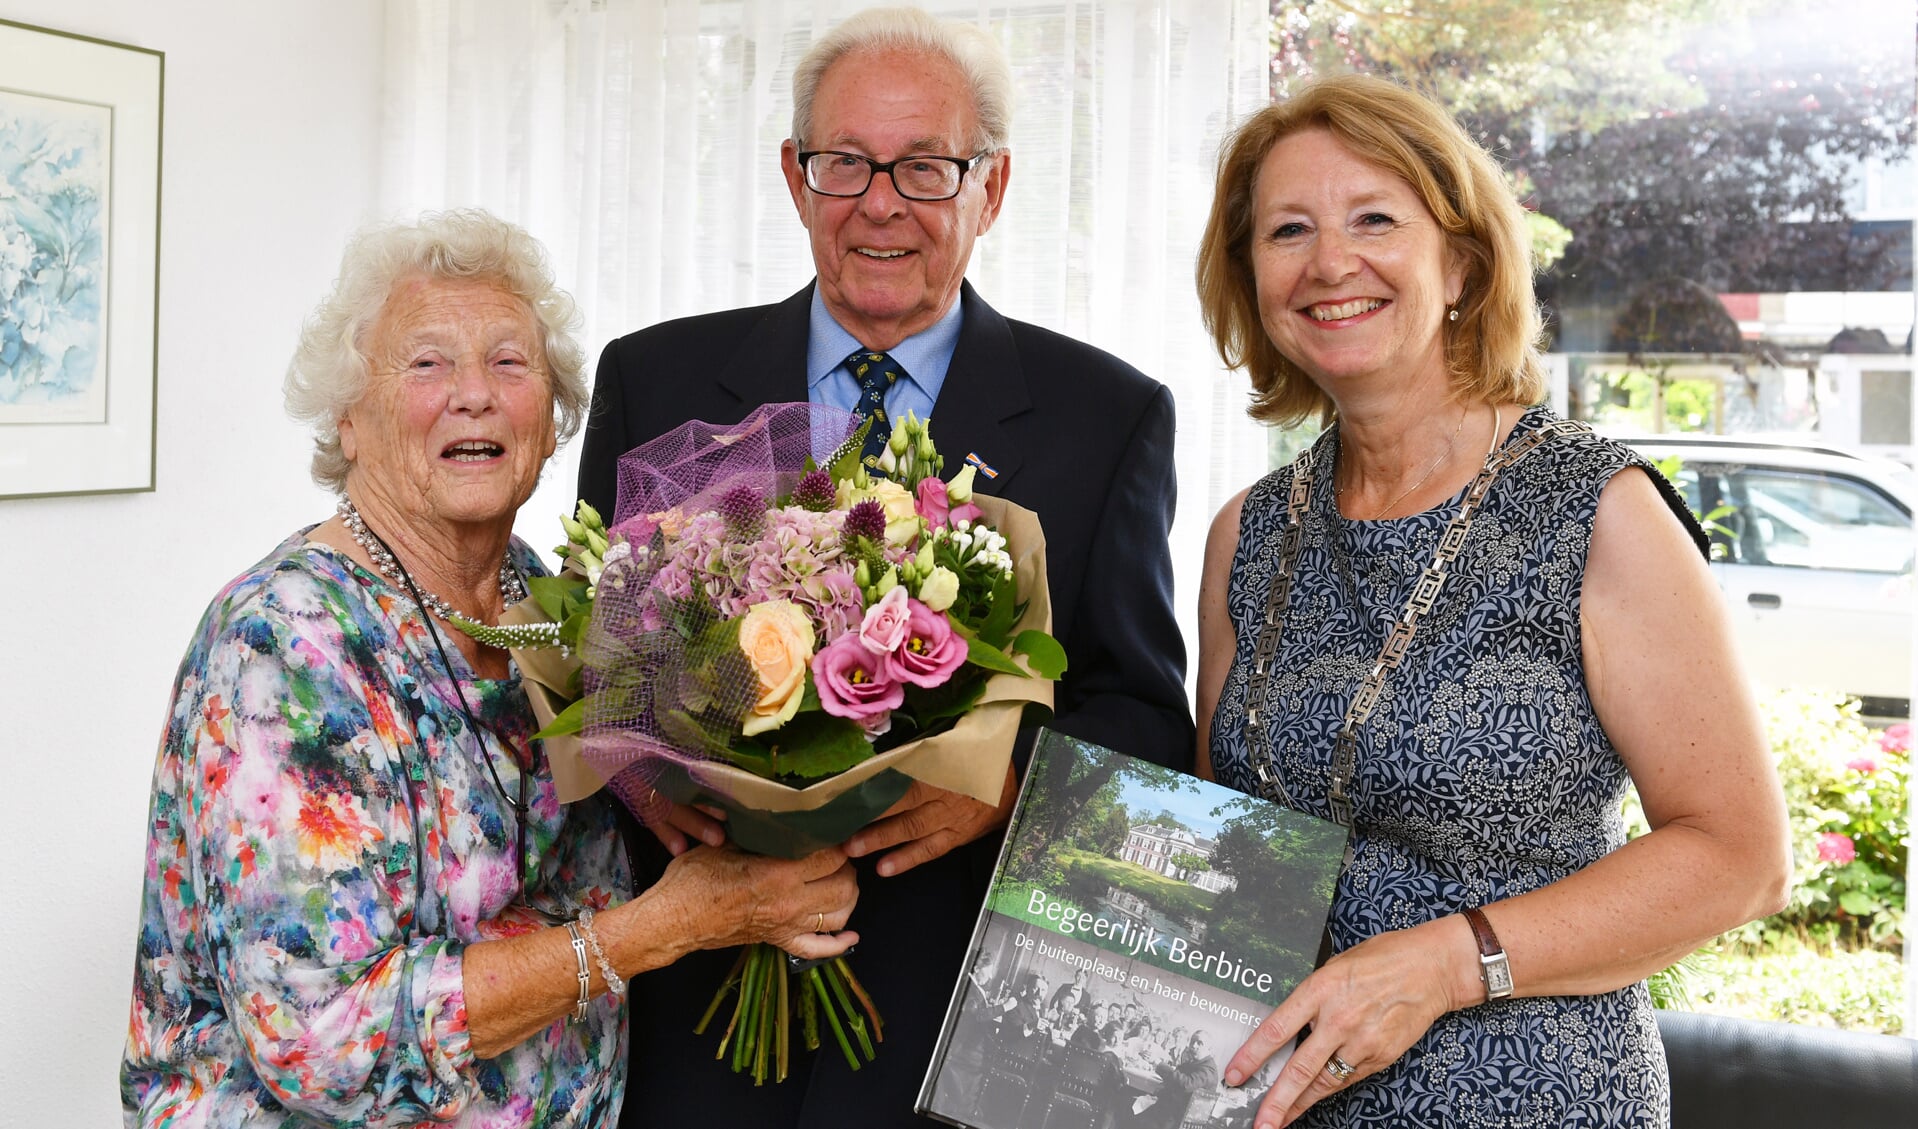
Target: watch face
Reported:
[(1498, 977)]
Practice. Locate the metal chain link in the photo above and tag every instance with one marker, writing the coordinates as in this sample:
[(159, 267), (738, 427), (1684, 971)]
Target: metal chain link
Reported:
[(1425, 593)]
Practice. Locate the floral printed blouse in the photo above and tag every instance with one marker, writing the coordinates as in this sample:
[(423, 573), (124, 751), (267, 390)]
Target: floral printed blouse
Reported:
[(324, 841)]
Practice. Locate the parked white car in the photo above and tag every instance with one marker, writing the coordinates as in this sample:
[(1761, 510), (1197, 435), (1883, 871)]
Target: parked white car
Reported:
[(1814, 552)]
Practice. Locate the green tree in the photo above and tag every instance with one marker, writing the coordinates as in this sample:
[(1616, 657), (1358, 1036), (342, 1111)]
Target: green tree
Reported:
[(1188, 863), (1709, 141), (1067, 785), (1285, 866), (1167, 820)]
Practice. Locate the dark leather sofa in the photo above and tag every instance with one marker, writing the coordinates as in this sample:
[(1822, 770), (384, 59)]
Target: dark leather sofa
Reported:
[(1750, 1074)]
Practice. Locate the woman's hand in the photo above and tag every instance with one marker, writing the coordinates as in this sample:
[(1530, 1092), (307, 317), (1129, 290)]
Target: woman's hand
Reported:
[(724, 897), (1366, 1005)]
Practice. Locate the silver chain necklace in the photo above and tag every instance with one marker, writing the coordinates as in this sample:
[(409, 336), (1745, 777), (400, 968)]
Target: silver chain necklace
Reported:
[(1339, 491), (1424, 594), (512, 589)]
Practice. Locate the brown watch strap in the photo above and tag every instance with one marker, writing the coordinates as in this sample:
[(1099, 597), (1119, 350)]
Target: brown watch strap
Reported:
[(1488, 945)]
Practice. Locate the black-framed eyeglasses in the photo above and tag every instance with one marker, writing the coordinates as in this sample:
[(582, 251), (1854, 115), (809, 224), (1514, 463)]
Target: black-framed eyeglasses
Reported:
[(918, 177)]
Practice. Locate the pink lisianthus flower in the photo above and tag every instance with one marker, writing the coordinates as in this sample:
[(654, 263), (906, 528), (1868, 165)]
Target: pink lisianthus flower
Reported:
[(854, 682), (1835, 846), (931, 650), (885, 624), (935, 505), (1865, 764)]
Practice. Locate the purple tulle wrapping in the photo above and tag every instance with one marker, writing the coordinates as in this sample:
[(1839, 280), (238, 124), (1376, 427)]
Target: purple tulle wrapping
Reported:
[(655, 698)]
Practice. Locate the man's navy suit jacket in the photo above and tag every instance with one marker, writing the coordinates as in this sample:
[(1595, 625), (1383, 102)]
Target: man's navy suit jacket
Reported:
[(1076, 435)]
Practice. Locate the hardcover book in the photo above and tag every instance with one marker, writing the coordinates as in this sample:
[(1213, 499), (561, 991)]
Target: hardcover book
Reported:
[(1141, 922)]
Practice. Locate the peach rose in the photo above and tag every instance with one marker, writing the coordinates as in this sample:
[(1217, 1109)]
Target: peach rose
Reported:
[(778, 640)]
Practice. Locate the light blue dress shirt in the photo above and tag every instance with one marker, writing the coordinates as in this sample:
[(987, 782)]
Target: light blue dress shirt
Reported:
[(925, 356)]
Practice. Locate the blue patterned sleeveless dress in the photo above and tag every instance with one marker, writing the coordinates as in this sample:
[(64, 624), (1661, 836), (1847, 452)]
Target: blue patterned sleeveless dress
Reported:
[(1482, 773)]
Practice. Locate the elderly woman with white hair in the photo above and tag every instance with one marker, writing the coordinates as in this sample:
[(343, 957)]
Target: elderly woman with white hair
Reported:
[(364, 904)]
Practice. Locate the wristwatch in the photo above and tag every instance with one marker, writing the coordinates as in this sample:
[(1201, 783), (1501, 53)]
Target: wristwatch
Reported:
[(1493, 968)]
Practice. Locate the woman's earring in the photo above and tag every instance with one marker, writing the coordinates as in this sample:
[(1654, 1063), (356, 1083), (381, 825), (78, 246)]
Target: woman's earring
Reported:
[(1453, 316)]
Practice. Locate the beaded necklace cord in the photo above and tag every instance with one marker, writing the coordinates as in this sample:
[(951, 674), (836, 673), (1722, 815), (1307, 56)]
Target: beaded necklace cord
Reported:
[(390, 566)]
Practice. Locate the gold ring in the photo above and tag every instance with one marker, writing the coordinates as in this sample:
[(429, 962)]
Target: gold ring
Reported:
[(820, 925), (1339, 1069)]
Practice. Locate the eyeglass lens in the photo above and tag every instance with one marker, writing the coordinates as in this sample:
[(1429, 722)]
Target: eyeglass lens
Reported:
[(843, 174)]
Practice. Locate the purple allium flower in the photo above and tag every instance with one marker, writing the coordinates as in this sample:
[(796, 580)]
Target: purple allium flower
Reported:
[(743, 508), (866, 519), (814, 492)]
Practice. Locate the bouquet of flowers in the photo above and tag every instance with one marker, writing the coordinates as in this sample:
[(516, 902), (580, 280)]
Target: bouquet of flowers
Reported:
[(773, 628)]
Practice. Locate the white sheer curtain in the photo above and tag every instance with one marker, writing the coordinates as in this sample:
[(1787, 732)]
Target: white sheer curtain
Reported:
[(639, 138)]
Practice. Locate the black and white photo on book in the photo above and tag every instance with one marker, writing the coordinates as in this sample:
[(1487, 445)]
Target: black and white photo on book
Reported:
[(1140, 923)]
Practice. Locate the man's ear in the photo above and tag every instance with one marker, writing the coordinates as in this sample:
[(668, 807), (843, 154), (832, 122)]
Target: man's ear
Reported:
[(795, 180), (996, 180)]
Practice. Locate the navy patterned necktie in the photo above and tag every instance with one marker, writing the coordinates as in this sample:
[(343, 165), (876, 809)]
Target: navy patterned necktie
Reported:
[(876, 374)]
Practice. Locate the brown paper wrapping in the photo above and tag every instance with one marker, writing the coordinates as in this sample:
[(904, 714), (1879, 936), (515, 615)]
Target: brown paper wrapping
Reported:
[(970, 758)]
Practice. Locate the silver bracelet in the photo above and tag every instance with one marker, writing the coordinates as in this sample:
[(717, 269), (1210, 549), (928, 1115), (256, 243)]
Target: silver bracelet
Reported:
[(585, 974), (613, 983)]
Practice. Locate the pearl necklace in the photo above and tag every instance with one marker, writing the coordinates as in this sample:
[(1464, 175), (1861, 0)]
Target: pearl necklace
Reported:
[(512, 589)]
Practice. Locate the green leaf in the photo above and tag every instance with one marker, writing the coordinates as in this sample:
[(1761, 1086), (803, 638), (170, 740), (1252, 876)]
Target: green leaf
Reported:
[(573, 631), (955, 698), (1858, 903), (687, 732), (843, 462), (1047, 657), (569, 720), (1004, 611), (983, 654), (553, 592), (813, 745)]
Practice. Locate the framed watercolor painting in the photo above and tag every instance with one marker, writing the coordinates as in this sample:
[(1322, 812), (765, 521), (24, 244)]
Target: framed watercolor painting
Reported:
[(79, 262)]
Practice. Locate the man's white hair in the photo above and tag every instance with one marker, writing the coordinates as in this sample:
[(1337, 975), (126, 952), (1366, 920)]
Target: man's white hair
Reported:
[(976, 54), (328, 373)]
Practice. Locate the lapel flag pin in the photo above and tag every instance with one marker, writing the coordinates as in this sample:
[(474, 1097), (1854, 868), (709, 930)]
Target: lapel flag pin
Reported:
[(984, 469)]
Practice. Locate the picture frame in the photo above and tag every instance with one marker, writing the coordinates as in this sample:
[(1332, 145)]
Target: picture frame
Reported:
[(80, 158)]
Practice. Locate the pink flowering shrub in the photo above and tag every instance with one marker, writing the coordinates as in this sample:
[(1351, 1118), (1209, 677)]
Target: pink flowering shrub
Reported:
[(1847, 796), (1836, 846), (1896, 738)]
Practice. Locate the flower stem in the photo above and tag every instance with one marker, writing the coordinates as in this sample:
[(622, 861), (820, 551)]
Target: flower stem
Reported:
[(808, 1018), (762, 1029), (783, 1027), (743, 1015), (853, 1018), (731, 982), (818, 981), (865, 1001)]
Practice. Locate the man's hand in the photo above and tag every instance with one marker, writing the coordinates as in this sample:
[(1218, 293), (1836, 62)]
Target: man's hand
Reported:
[(930, 822), (678, 827)]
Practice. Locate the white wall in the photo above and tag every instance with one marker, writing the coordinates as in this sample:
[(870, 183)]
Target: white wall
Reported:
[(272, 120)]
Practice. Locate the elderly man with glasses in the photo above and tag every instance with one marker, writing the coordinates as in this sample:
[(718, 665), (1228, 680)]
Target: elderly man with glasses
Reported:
[(897, 163)]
